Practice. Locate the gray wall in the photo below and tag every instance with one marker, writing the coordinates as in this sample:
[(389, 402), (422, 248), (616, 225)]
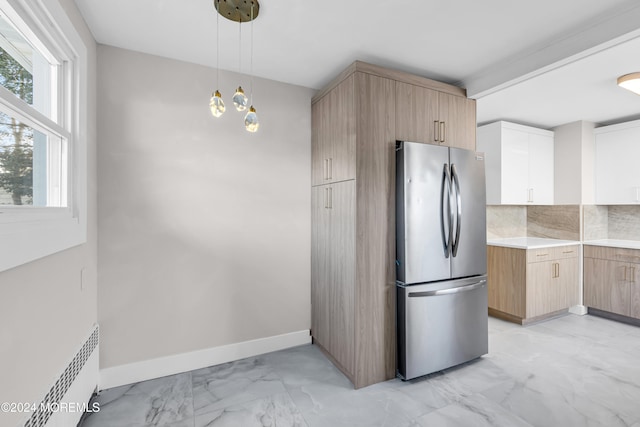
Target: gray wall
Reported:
[(204, 228), (44, 315), (574, 146)]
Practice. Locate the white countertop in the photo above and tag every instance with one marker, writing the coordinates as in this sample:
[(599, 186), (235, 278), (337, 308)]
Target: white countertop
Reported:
[(531, 242), (615, 243)]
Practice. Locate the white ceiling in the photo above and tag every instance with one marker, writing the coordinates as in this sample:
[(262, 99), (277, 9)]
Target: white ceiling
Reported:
[(509, 54)]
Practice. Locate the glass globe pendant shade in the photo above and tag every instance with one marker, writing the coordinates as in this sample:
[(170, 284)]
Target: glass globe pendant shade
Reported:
[(240, 99), (216, 104), (251, 120)]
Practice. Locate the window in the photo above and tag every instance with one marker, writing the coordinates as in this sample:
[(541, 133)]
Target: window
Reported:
[(43, 98)]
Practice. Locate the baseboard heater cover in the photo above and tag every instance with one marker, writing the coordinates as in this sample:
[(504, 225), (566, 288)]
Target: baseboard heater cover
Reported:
[(43, 412)]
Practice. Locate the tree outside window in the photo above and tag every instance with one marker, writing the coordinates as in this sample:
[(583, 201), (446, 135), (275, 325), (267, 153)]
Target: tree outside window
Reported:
[(16, 139)]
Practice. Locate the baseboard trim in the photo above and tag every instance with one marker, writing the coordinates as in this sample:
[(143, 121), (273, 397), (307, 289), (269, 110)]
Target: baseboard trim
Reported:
[(580, 310), (170, 365)]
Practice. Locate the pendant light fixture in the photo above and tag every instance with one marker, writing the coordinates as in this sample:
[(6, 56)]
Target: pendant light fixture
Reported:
[(216, 104), (239, 98), (630, 82), (251, 119), (240, 11)]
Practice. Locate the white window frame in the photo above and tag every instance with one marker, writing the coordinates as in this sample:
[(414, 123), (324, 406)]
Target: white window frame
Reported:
[(29, 233)]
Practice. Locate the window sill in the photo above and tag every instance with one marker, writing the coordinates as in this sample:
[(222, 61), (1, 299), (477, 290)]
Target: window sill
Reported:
[(25, 238)]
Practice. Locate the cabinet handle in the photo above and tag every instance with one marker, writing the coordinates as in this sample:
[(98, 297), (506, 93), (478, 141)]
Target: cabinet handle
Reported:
[(530, 195), (556, 270), (330, 198), (326, 198), (542, 254), (633, 275), (567, 252), (442, 131), (436, 130), (637, 194), (330, 167)]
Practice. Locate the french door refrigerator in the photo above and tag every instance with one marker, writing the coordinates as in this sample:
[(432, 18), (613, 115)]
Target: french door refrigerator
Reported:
[(441, 257)]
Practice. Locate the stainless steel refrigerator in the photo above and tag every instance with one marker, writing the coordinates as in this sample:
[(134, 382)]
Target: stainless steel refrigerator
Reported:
[(441, 257)]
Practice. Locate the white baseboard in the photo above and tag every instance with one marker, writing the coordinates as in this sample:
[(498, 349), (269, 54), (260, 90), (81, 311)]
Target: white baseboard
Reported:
[(169, 365), (580, 310)]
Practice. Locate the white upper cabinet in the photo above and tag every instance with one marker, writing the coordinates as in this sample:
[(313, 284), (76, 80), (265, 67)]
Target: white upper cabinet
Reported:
[(519, 163), (618, 164)]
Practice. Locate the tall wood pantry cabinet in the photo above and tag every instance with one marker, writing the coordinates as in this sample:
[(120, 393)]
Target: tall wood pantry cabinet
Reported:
[(356, 120)]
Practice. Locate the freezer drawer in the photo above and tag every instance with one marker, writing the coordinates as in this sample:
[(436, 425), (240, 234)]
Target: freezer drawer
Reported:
[(441, 325)]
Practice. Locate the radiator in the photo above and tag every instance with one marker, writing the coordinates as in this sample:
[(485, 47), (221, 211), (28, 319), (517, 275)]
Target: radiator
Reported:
[(54, 396)]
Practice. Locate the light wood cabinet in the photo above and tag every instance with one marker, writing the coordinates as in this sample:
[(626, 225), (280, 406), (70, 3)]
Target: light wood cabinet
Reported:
[(430, 116), (519, 163), (612, 280), (354, 125), (332, 269), (616, 171), (529, 285), (334, 135)]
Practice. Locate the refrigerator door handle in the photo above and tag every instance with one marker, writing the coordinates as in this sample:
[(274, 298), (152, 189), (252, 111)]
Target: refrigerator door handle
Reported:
[(458, 197), (446, 190), (449, 291)]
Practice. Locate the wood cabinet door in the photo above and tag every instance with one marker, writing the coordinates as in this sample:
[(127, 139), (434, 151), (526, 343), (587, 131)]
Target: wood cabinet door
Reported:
[(320, 150), (342, 250), (569, 286), (416, 114), (542, 288), (634, 283), (320, 265), (551, 286), (342, 131), (606, 287), (459, 117)]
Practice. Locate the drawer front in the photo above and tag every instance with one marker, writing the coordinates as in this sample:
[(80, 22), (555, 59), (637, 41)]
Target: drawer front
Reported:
[(613, 254), (546, 254)]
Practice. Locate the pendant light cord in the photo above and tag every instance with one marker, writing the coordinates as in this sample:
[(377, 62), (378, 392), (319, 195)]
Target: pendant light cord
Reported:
[(240, 44), (218, 45), (251, 65)]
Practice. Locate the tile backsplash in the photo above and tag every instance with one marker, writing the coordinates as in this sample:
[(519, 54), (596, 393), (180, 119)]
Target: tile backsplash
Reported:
[(596, 222), (563, 222), (506, 221), (554, 222), (624, 222)]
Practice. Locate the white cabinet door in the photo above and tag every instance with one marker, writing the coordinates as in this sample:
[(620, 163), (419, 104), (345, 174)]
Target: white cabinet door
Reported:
[(519, 163), (617, 169), (515, 163), (540, 169)]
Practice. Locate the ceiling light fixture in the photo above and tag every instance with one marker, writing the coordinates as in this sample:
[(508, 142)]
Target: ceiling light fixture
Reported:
[(239, 11), (630, 82)]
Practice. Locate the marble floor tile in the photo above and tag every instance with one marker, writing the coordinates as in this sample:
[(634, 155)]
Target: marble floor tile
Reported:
[(569, 371), (544, 404), (164, 401), (329, 405), (272, 411), (476, 411), (234, 383)]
